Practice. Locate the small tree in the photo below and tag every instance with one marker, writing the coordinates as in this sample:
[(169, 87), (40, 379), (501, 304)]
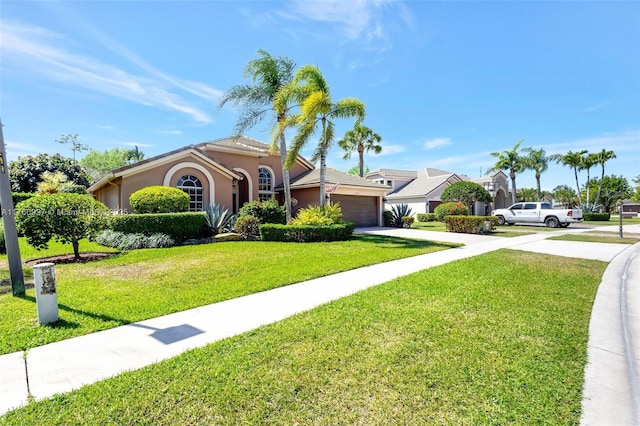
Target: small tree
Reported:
[(527, 194), (66, 217), (73, 141), (566, 196), (467, 193), (99, 163)]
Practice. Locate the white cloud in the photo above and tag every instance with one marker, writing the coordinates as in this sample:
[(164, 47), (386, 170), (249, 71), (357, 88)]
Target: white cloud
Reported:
[(436, 143), (391, 149), (170, 132), (38, 50)]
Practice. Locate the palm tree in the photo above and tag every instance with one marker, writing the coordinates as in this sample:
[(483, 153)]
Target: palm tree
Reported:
[(316, 108), (601, 158), (587, 162), (269, 75), (512, 161), (537, 161), (573, 160), (360, 139)]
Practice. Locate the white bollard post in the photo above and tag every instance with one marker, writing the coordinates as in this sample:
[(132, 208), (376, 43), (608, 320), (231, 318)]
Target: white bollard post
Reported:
[(44, 276)]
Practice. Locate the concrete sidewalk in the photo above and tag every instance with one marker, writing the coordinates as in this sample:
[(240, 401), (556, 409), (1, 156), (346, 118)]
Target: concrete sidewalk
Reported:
[(70, 364)]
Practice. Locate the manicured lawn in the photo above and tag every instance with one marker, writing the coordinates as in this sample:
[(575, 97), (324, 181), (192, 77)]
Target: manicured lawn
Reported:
[(462, 343), (615, 220), (143, 284)]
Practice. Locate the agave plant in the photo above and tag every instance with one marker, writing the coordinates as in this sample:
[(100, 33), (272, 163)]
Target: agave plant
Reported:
[(398, 211), (219, 219)]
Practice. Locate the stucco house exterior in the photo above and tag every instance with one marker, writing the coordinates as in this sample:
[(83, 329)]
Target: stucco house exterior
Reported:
[(422, 189), (233, 171)]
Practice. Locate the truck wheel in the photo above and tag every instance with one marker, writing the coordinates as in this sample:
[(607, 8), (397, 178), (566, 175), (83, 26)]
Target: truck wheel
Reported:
[(500, 220), (552, 222)]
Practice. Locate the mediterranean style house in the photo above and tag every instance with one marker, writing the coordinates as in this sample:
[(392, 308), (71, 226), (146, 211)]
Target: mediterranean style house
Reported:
[(422, 189), (232, 171)]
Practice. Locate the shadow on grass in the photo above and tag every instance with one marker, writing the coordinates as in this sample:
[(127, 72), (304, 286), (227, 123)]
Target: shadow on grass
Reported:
[(396, 242), (68, 324)]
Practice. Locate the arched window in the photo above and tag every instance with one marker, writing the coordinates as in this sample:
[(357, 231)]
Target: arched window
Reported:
[(265, 184), (192, 186)]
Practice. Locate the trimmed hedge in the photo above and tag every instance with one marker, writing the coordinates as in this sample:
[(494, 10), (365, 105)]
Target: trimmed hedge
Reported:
[(469, 224), (450, 209), (179, 226), (387, 218), (597, 217), (267, 211), (307, 233), (159, 199), (21, 196), (426, 217)]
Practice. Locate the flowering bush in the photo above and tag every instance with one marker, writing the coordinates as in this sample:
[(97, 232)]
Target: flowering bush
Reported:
[(451, 208)]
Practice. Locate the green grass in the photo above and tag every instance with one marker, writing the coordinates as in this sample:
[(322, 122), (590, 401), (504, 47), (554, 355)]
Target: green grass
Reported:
[(614, 220), (596, 238), (143, 284), (463, 343)]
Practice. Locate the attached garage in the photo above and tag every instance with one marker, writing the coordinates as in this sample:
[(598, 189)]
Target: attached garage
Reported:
[(361, 200), (359, 209)]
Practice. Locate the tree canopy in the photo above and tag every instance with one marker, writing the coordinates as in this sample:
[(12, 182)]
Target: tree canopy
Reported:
[(467, 193), (26, 172), (99, 163), (360, 139)]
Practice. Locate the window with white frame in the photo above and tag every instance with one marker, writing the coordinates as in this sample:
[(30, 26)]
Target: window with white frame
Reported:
[(265, 184), (192, 186)]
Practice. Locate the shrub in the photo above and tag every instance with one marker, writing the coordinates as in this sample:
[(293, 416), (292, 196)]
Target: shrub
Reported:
[(21, 196), (469, 224), (179, 226), (597, 217), (159, 199), (398, 211), (26, 172), (268, 211), (407, 221), (451, 208), (66, 217), (74, 189), (219, 219), (122, 241), (316, 215), (248, 227), (307, 233), (387, 218), (426, 217)]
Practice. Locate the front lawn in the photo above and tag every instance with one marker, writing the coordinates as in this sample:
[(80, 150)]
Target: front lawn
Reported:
[(598, 238), (143, 284), (441, 227), (462, 343)]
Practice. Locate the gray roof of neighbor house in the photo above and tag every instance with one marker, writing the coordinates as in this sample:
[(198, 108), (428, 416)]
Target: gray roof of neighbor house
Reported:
[(424, 184), (394, 172), (333, 176)]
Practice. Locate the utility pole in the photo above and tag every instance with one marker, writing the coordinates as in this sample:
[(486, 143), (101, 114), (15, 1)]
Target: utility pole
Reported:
[(9, 222)]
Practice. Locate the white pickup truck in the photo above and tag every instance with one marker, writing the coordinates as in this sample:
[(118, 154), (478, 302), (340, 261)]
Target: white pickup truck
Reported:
[(537, 213)]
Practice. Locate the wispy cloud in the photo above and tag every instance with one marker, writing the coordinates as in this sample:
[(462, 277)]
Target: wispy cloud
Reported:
[(20, 149), (599, 106), (170, 132), (391, 149), (138, 144), (436, 143), (39, 50), (619, 142)]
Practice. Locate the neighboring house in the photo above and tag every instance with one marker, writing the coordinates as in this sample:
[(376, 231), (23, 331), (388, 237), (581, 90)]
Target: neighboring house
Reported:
[(422, 189), (231, 172)]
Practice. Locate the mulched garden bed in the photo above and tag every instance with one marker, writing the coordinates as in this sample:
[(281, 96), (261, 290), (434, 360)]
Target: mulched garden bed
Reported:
[(69, 258)]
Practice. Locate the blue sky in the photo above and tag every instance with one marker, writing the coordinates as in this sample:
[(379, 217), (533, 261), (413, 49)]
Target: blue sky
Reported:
[(445, 83)]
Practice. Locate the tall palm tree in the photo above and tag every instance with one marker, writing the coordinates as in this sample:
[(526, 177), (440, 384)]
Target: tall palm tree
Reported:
[(269, 74), (360, 139), (537, 161), (573, 160), (601, 158), (317, 109), (512, 161), (588, 161)]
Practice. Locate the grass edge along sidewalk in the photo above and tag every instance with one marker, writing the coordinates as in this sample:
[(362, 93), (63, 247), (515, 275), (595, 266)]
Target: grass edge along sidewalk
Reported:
[(459, 343)]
